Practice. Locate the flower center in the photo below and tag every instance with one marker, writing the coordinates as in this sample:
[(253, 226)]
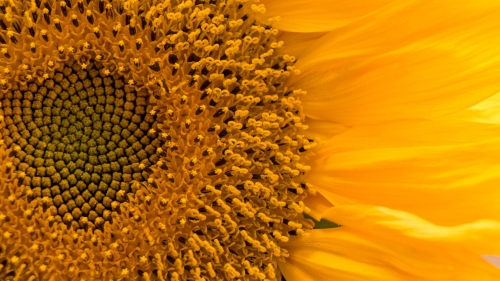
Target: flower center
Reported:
[(161, 134), (81, 138)]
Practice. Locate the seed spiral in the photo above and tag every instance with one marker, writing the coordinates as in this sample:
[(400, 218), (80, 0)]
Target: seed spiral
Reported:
[(171, 120), (82, 139)]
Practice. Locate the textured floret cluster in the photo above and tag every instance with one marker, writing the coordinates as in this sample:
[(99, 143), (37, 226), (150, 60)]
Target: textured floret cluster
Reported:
[(147, 139)]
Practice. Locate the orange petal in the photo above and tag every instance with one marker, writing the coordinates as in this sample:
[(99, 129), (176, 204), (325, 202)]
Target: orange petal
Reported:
[(323, 129), (296, 43), (318, 15), (445, 172), (382, 222), (407, 60), (494, 260), (322, 256), (487, 111), (318, 205), (355, 252)]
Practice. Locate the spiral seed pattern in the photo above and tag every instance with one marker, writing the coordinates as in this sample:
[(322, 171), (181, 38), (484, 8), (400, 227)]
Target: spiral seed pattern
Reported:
[(82, 139)]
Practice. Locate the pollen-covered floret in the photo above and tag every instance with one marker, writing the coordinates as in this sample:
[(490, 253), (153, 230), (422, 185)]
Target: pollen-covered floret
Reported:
[(156, 140)]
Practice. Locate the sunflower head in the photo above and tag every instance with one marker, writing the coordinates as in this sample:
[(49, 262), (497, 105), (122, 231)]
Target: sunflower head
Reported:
[(147, 139)]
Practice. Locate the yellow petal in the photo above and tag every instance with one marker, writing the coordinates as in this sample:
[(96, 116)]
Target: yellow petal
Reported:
[(318, 15), (494, 260), (321, 256), (318, 205), (296, 43), (377, 221), (445, 172), (351, 253), (409, 59), (323, 129), (487, 111)]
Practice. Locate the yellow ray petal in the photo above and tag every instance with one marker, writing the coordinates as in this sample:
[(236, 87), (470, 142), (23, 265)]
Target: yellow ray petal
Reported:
[(350, 253), (487, 111), (295, 43), (445, 172), (409, 59), (318, 205), (321, 256), (318, 15), (323, 129), (494, 260), (476, 237)]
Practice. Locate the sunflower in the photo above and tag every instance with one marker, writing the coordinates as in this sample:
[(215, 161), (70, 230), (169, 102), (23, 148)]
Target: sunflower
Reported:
[(194, 140)]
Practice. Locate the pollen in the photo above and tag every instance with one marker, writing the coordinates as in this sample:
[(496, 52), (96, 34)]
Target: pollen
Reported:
[(147, 140)]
